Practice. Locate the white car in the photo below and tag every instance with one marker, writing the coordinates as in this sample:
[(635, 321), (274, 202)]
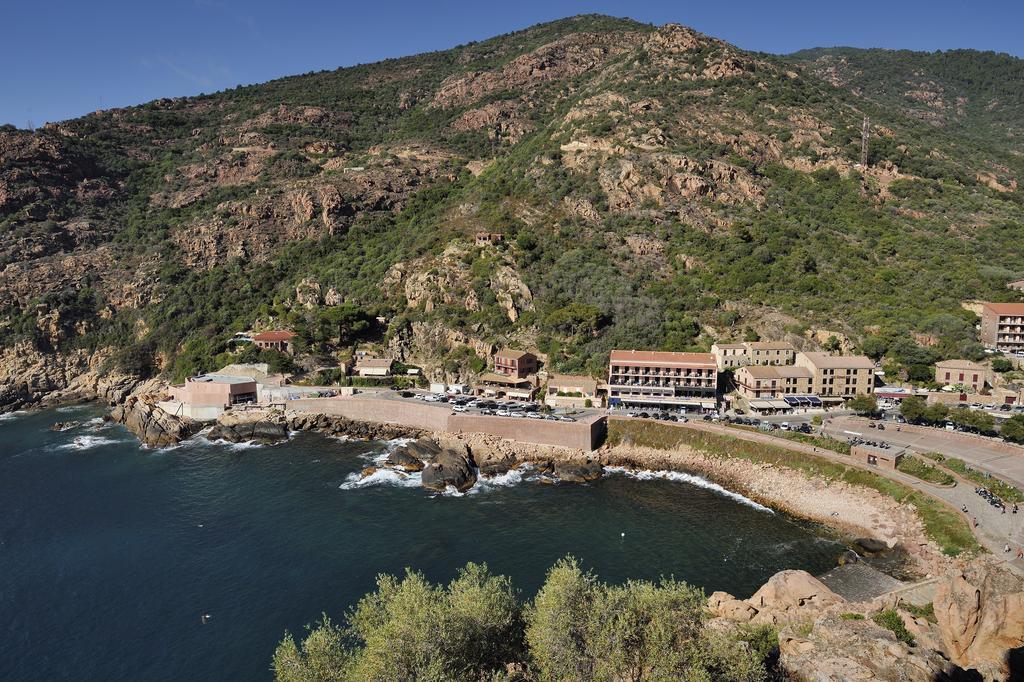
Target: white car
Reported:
[(458, 408)]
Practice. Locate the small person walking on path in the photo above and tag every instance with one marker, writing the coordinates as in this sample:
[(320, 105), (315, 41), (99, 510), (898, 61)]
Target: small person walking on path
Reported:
[(975, 521), (1020, 552)]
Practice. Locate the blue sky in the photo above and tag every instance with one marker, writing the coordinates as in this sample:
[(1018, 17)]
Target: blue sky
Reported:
[(65, 58)]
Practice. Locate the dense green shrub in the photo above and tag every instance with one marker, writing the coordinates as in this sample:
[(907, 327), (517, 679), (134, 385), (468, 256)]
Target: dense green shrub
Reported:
[(576, 628)]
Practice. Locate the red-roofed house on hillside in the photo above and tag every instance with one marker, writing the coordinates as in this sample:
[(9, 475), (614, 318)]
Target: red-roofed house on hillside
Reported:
[(1002, 326), (278, 340), (662, 379)]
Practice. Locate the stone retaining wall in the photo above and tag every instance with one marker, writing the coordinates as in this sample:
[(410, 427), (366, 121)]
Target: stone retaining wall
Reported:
[(586, 434)]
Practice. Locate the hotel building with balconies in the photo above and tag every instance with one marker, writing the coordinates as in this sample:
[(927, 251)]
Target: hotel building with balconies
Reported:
[(662, 379), (1002, 326)]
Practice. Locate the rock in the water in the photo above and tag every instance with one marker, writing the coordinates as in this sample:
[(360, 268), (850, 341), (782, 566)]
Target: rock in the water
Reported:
[(495, 467), (870, 545), (578, 472), (980, 615), (424, 449), (65, 426), (220, 432), (367, 472), (262, 431), (266, 431), (449, 468), (402, 458), (152, 425)]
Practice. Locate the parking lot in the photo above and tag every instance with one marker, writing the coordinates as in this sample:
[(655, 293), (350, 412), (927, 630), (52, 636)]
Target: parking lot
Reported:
[(513, 409), (988, 454)]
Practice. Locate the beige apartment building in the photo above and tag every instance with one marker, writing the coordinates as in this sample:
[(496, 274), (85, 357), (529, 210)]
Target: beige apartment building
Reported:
[(662, 379), (733, 355), (374, 367), (838, 376), (570, 390), (1002, 326), (964, 373), (757, 382)]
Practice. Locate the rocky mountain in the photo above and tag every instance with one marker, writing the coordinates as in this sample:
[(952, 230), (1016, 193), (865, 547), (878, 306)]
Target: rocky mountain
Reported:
[(652, 186), (977, 94)]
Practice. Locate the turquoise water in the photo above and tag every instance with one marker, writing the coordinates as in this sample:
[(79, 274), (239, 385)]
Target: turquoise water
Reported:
[(110, 553)]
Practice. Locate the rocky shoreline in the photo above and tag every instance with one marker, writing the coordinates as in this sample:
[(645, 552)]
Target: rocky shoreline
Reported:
[(852, 511)]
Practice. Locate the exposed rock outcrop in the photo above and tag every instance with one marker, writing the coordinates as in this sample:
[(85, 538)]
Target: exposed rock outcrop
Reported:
[(573, 471), (839, 649), (791, 589), (152, 425), (449, 468), (262, 431), (342, 427), (980, 614)]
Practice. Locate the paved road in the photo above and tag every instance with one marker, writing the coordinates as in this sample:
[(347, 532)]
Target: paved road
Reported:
[(999, 458), (994, 530)]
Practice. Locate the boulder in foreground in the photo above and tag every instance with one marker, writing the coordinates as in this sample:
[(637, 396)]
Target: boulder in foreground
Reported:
[(449, 468), (578, 472)]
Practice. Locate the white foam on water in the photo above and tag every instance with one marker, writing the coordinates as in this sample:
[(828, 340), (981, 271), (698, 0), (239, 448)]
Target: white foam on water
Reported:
[(680, 477), (392, 477), (452, 491), (87, 443), (10, 416), (510, 478)]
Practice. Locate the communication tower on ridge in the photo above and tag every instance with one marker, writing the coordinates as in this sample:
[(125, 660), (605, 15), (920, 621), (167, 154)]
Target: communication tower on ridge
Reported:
[(865, 130)]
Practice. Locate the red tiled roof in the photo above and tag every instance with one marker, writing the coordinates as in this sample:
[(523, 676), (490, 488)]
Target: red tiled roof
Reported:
[(654, 357), (274, 336), (1005, 308), (509, 354)]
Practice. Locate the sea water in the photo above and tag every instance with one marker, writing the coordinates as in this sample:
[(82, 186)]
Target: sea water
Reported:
[(111, 553)]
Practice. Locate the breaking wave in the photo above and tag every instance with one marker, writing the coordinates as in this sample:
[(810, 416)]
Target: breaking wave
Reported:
[(400, 479), (10, 416), (680, 477), (87, 443), (509, 479)]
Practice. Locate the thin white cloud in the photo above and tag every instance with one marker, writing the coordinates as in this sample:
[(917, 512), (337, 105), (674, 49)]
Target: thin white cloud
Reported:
[(202, 80)]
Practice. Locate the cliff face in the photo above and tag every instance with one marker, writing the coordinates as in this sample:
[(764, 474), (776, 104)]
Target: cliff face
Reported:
[(649, 183), (976, 627)]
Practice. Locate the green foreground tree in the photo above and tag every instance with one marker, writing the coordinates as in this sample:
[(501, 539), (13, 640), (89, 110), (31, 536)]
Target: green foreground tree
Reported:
[(1013, 429), (577, 629), (863, 404)]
